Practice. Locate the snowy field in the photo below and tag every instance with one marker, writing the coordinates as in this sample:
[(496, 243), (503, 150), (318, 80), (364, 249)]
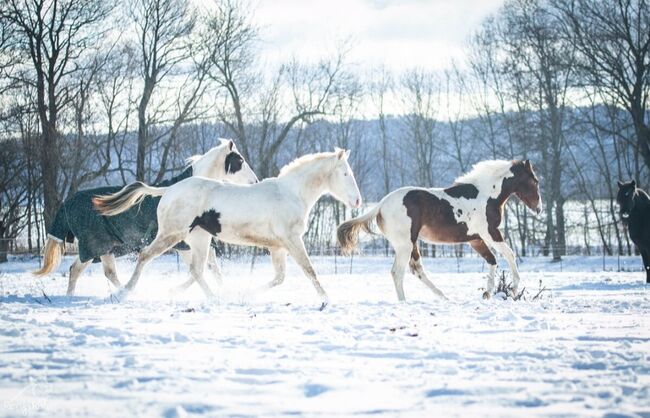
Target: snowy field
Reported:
[(582, 348)]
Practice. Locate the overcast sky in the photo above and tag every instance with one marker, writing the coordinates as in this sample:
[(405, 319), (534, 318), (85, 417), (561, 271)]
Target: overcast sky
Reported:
[(399, 34)]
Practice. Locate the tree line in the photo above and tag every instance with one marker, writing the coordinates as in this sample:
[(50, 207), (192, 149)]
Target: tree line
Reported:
[(107, 92)]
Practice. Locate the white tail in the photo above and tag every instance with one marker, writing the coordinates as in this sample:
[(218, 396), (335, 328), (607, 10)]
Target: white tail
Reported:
[(129, 196)]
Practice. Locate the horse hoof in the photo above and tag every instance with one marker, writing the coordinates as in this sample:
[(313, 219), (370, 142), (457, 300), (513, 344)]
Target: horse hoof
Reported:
[(323, 306), (120, 295), (486, 295)]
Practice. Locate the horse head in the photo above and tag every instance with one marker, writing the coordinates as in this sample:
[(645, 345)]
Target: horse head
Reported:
[(527, 185), (625, 198), (224, 162), (342, 184)]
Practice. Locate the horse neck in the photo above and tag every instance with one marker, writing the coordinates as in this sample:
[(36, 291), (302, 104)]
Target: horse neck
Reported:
[(204, 167), (642, 202), (507, 190), (309, 183)]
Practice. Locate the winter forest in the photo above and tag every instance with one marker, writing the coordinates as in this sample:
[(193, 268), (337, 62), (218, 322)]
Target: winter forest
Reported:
[(108, 92), (331, 208)]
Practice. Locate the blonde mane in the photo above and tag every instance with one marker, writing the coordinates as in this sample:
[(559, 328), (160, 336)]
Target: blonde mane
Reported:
[(304, 160), (486, 171)]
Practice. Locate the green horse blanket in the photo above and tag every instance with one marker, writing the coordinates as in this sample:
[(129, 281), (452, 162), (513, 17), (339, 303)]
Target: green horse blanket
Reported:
[(118, 235)]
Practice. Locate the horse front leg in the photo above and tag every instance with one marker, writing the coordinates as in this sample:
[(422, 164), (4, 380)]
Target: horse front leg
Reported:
[(481, 247), (509, 255), (199, 241), (296, 249), (645, 254), (213, 265)]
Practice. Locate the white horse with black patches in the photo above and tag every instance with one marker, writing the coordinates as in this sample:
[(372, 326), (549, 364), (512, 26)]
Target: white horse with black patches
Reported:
[(469, 211), (101, 239), (272, 213)]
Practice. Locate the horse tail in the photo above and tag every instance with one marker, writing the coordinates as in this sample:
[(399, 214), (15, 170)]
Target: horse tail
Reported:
[(52, 255), (129, 196), (55, 243), (348, 232)]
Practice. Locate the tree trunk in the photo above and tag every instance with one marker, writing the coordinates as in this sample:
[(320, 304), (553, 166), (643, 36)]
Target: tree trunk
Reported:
[(143, 129), (49, 169)]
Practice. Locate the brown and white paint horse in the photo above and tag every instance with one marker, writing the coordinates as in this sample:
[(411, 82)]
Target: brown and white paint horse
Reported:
[(470, 211)]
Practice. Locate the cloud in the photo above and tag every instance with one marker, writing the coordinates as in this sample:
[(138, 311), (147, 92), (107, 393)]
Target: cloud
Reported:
[(398, 34)]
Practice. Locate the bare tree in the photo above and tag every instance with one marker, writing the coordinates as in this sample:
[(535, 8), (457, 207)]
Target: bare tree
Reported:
[(422, 101), (613, 40), (51, 37), (229, 38), (163, 28), (381, 85)]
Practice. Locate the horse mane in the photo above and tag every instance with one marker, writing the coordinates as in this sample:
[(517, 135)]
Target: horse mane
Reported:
[(302, 161), (198, 157), (193, 159), (486, 171)]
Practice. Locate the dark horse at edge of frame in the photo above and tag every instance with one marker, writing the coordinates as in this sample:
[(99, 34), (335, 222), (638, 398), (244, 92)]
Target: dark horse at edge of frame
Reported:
[(634, 208)]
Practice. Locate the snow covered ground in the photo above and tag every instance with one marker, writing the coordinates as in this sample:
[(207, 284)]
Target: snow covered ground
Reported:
[(582, 349)]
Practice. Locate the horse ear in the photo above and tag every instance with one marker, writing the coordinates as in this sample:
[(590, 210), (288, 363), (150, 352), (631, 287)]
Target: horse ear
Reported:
[(527, 164), (620, 183), (231, 145), (340, 153), (347, 154), (633, 182)]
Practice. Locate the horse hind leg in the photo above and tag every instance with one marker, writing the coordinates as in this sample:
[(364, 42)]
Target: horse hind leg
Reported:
[(418, 270), (402, 257), (159, 245), (484, 251), (75, 271), (110, 271), (279, 259)]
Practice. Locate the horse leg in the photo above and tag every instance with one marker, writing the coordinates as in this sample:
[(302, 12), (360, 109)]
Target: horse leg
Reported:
[(402, 257), (75, 271), (110, 271), (279, 259), (297, 250), (199, 241), (481, 247), (186, 256), (645, 254), (507, 253), (159, 245), (418, 270), (213, 265)]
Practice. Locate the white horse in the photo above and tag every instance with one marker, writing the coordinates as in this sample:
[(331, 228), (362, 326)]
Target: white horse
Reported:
[(272, 213), (97, 240), (469, 211)]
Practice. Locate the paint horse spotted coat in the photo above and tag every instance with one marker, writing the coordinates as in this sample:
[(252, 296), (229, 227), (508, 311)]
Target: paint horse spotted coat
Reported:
[(272, 213), (634, 207), (470, 211)]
